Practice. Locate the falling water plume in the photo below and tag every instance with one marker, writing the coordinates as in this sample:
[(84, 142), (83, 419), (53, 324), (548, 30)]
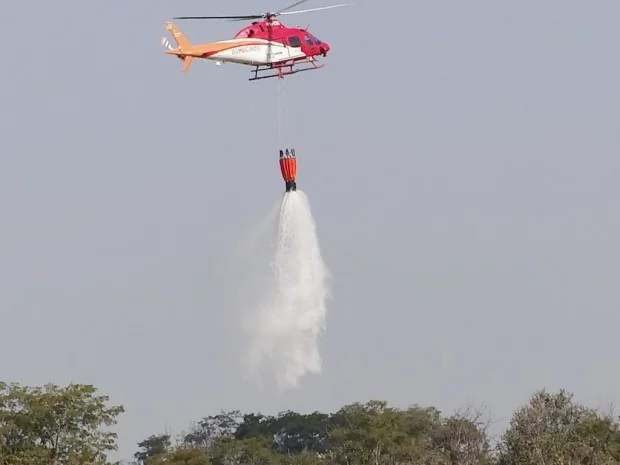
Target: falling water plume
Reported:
[(285, 327)]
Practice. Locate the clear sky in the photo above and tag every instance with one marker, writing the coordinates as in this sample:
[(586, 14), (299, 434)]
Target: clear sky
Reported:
[(461, 159)]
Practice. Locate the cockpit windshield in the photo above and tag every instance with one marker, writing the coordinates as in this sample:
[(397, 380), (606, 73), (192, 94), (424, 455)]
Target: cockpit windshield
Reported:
[(316, 41)]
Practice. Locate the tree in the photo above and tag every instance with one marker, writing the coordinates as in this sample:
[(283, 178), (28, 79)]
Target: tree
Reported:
[(224, 424), (463, 439), (374, 433), (55, 426), (295, 433), (252, 451), (553, 429), (180, 456), (288, 432), (152, 446)]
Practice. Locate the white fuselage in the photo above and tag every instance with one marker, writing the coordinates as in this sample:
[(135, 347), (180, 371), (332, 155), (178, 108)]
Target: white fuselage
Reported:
[(261, 53)]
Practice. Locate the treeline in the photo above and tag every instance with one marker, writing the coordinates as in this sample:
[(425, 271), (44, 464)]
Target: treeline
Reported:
[(552, 429), (70, 425)]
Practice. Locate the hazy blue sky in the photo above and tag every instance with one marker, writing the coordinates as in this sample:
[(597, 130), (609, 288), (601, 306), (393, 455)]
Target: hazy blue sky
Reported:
[(461, 159)]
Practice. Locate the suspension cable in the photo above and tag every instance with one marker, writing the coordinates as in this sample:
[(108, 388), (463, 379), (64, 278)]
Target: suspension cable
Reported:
[(282, 115)]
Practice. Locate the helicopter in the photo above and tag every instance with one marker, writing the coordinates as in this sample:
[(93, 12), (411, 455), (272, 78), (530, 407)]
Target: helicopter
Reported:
[(266, 44)]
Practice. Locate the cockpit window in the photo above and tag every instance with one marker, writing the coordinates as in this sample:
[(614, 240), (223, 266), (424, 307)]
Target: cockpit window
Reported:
[(316, 41), (294, 41), (308, 40)]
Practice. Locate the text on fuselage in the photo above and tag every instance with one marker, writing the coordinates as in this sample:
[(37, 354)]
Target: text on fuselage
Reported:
[(246, 49)]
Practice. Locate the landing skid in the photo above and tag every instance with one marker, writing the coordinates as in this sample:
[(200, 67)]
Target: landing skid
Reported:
[(284, 69)]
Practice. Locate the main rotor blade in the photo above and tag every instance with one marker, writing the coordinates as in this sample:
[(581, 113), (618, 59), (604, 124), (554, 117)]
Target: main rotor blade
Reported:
[(291, 6), (247, 18), (265, 15), (240, 18), (315, 9)]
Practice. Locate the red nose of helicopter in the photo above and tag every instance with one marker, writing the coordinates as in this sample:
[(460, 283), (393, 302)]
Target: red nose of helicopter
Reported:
[(324, 48)]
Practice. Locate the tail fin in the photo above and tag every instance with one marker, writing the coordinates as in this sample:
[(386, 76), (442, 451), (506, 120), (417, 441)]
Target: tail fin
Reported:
[(184, 45), (179, 38)]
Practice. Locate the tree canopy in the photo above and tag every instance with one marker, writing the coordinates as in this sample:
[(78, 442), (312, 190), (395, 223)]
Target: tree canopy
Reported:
[(70, 425), (552, 429), (53, 425)]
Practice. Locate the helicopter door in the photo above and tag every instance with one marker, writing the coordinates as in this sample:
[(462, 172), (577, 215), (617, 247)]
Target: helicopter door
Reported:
[(287, 50), (293, 41)]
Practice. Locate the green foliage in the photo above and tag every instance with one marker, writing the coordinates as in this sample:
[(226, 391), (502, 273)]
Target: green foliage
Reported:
[(553, 429), (180, 456), (54, 425), (375, 433), (152, 446), (371, 433), (550, 430), (51, 425)]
